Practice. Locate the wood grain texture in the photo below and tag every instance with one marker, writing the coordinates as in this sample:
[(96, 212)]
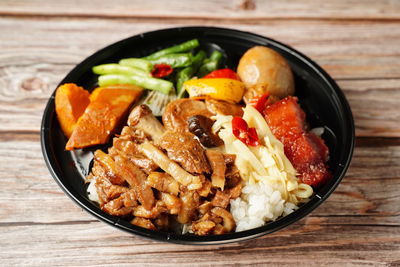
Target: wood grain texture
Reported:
[(233, 9), (357, 42), (95, 244)]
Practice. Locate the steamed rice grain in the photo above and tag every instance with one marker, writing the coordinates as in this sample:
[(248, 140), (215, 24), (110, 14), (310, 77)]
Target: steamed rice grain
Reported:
[(259, 203)]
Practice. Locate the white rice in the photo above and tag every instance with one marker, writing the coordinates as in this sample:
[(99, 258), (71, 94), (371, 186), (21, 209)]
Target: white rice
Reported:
[(258, 203), (92, 192)]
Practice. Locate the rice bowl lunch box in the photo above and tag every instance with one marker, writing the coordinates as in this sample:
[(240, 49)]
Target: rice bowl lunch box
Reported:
[(322, 102)]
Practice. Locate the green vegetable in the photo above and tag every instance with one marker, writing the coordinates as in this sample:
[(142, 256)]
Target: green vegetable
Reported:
[(137, 63), (216, 56), (210, 64), (207, 68), (183, 47), (146, 82), (188, 72), (119, 69), (198, 58), (174, 60)]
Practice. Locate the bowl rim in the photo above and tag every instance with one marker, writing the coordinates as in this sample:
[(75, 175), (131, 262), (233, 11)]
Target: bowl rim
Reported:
[(49, 113)]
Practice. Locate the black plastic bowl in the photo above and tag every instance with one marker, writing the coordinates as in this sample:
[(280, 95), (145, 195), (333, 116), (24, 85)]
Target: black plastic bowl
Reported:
[(320, 97)]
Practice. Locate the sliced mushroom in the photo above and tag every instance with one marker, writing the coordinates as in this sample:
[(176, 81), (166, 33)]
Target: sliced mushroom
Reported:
[(200, 126), (142, 118)]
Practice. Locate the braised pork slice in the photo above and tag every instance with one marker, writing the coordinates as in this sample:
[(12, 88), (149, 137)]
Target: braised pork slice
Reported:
[(232, 176), (136, 178), (123, 205), (177, 112), (163, 182), (108, 165), (224, 108), (106, 191), (129, 149), (183, 148), (222, 198), (132, 134), (159, 208)]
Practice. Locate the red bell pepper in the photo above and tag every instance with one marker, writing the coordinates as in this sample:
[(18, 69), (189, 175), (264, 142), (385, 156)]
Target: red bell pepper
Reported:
[(259, 102), (223, 73), (242, 132), (161, 70)]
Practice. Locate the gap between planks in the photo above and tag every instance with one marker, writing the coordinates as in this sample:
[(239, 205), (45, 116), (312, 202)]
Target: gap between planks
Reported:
[(198, 20), (300, 223)]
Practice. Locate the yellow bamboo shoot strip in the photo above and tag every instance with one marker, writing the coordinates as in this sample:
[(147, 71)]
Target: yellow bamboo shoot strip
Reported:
[(172, 168)]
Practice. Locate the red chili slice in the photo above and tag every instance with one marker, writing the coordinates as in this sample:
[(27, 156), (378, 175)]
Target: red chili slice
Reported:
[(259, 102), (242, 132), (161, 70), (223, 73)]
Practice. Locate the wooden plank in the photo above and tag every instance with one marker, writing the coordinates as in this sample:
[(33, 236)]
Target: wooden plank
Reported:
[(357, 42), (351, 52), (369, 190), (347, 50), (309, 244), (215, 9), (375, 106)]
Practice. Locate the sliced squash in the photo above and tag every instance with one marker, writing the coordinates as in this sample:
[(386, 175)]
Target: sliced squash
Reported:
[(108, 105), (71, 101)]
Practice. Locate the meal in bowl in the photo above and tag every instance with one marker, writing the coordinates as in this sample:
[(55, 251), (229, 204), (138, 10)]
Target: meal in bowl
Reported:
[(203, 149)]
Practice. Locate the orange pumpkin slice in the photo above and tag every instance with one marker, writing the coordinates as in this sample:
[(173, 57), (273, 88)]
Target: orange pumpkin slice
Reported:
[(71, 101), (108, 106)]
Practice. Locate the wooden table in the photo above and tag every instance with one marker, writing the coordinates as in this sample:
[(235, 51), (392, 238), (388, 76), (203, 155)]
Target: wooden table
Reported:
[(357, 42)]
